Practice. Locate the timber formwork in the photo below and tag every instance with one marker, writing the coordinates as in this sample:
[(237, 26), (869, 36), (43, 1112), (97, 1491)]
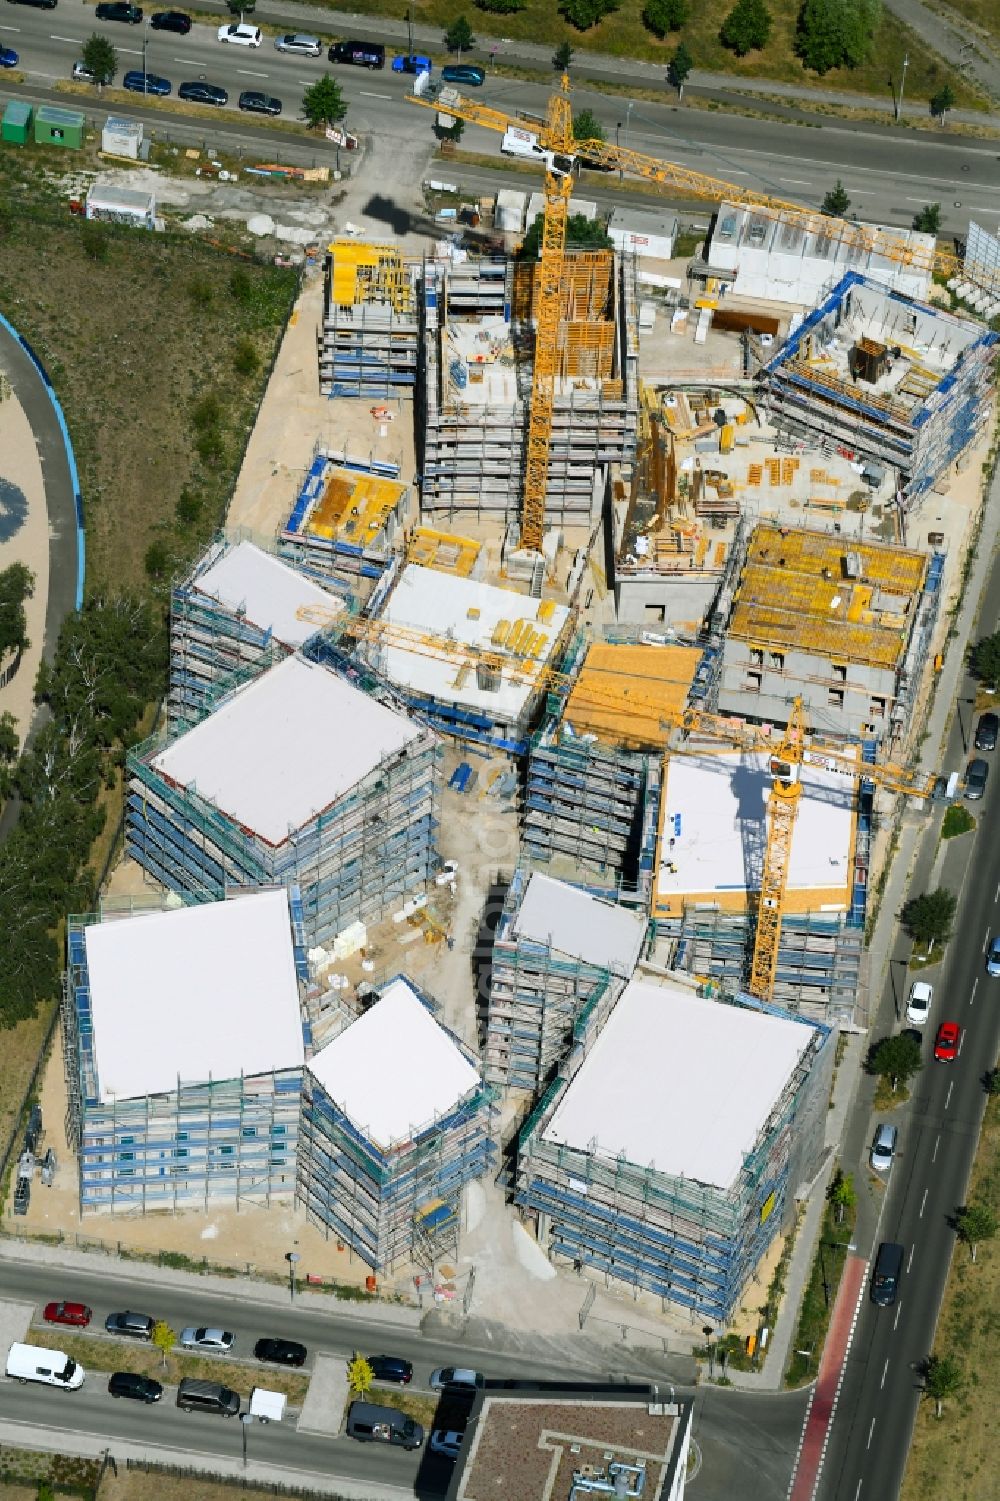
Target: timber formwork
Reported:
[(688, 1243), (347, 520)]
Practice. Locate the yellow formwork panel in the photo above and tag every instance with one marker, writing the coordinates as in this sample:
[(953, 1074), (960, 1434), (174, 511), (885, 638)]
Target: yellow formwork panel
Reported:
[(622, 692), (362, 271), (353, 507), (446, 551)]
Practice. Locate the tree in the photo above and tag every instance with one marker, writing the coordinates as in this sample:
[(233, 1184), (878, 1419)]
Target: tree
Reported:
[(975, 1222), (896, 1059), (928, 218), (581, 234), (359, 1375), (836, 33), (991, 1081), (501, 7), (680, 66), (323, 103), (10, 742), (452, 132), (164, 1338), (587, 127), (747, 27), (942, 102), (157, 560), (99, 55), (586, 13), (188, 507), (241, 8), (458, 37), (836, 203), (984, 660), (842, 1194), (94, 239), (17, 584), (661, 16), (942, 1379), (562, 57), (928, 917)]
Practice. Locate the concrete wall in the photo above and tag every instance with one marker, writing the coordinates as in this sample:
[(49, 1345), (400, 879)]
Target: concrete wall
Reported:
[(812, 677), (640, 598)]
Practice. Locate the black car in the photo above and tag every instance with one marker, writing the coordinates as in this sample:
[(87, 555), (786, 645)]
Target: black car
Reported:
[(139, 1388), (391, 1368), (117, 10), (203, 93), (986, 732), (280, 1351), (258, 103), (39, 5), (976, 774), (170, 20), (131, 1325)]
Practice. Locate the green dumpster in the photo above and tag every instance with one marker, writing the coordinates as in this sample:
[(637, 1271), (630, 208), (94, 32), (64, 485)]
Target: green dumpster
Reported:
[(16, 124), (59, 127)]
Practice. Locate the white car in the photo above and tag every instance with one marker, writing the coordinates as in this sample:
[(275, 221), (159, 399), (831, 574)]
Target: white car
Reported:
[(918, 1007), (884, 1148), (240, 33), (218, 1340), (307, 46), (446, 1441), (453, 1376)]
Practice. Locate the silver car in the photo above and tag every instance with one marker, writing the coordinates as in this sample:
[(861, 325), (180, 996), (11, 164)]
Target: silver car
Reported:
[(220, 1341), (883, 1148), (306, 46)]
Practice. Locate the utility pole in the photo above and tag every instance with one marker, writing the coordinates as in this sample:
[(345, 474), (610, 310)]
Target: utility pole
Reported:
[(409, 30), (902, 85)]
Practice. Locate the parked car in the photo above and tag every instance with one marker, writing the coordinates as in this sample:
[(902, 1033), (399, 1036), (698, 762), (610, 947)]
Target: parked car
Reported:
[(258, 103), (8, 58), (207, 1396), (371, 1424), (280, 1351), (170, 20), (975, 778), (139, 1388), (449, 1377), (391, 1368), (203, 93), (361, 54), (77, 1314), (446, 1441), (138, 82), (38, 4), (918, 1007), (118, 10), (300, 42), (241, 33), (131, 1325), (470, 73), (993, 956), (884, 1148), (986, 732), (82, 74), (412, 62), (219, 1340), (947, 1042)]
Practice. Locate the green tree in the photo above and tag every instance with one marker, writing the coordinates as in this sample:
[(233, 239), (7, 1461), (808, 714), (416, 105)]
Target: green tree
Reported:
[(17, 585), (842, 1194), (188, 507), (895, 1059), (241, 8), (991, 1081), (581, 234), (452, 132), (928, 218), (583, 14), (99, 55), (562, 57), (661, 16), (975, 1222), (836, 203), (458, 37), (501, 7), (984, 660), (587, 127), (94, 239), (928, 917), (942, 1379), (157, 560), (679, 67), (246, 359), (164, 1338), (942, 102), (359, 1375), (10, 742), (836, 33), (323, 103), (747, 27)]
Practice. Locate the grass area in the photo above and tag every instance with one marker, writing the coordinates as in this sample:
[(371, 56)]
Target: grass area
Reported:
[(957, 820), (961, 1446), (622, 34), (887, 1098), (820, 1295), (97, 1354), (417, 1405), (982, 13)]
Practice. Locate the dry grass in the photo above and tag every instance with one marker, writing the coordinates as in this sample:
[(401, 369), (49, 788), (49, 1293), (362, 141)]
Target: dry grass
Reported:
[(133, 1485), (18, 1055), (982, 13), (961, 1445), (96, 1354)]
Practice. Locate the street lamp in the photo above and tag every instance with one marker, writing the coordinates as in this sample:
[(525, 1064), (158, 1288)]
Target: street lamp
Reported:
[(145, 38), (246, 1418), (292, 1257), (708, 1330), (621, 170)]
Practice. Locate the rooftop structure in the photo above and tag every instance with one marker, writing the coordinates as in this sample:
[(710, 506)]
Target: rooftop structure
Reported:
[(395, 1122), (619, 1180), (895, 381), (448, 552), (347, 518), (626, 692), (643, 232), (270, 790), (573, 1443)]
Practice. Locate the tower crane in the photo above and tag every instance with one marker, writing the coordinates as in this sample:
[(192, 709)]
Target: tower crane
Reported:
[(785, 758), (560, 151)]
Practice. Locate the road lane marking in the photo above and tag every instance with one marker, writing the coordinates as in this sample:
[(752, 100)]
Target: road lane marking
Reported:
[(947, 1100), (910, 1262), (366, 95), (800, 182), (10, 28), (895, 1322), (936, 1145), (188, 62), (74, 41), (870, 1432), (972, 997), (923, 1201), (857, 1493), (986, 940), (130, 51), (996, 893), (885, 1368), (246, 73)]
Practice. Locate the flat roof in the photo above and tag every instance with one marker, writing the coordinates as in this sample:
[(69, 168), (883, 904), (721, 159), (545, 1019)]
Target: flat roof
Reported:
[(720, 797), (475, 614), (678, 1083), (267, 591), (285, 747), (623, 691), (395, 1069), (578, 924), (192, 994)]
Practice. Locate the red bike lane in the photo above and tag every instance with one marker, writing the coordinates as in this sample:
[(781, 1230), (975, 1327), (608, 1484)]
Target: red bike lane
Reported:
[(819, 1416)]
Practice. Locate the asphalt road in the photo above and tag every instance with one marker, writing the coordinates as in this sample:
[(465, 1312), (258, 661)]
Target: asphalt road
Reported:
[(939, 1134), (888, 175)]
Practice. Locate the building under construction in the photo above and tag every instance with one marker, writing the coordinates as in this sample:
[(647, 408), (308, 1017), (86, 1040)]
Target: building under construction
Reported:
[(902, 384), (297, 777), (368, 341), (642, 1168), (476, 383), (183, 1051), (395, 1122), (347, 520), (556, 949)]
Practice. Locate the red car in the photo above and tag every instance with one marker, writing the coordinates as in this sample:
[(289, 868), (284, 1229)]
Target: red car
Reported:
[(77, 1314), (947, 1042)]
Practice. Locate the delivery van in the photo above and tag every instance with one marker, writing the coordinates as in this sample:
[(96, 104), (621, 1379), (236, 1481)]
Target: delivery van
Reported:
[(50, 1367)]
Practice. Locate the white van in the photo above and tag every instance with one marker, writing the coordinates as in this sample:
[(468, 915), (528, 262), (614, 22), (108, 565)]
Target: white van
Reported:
[(50, 1367), (517, 142)]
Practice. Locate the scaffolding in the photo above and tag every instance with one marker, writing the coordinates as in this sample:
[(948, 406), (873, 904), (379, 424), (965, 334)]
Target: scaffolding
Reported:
[(368, 341), (347, 520)]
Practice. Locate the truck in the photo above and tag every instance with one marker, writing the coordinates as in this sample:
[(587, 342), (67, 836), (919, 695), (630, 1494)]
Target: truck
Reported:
[(524, 143), (49, 1367)]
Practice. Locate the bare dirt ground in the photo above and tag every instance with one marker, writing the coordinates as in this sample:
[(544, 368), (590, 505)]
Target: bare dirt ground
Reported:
[(24, 538)]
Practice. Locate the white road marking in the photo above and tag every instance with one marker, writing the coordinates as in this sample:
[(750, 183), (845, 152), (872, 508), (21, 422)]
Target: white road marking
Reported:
[(857, 1493), (996, 894), (870, 1432), (130, 51), (246, 73), (972, 997), (895, 1322), (910, 1262), (10, 28), (885, 1368), (936, 1145), (947, 1100), (986, 941), (74, 41), (366, 95), (923, 1202), (188, 62), (800, 182)]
